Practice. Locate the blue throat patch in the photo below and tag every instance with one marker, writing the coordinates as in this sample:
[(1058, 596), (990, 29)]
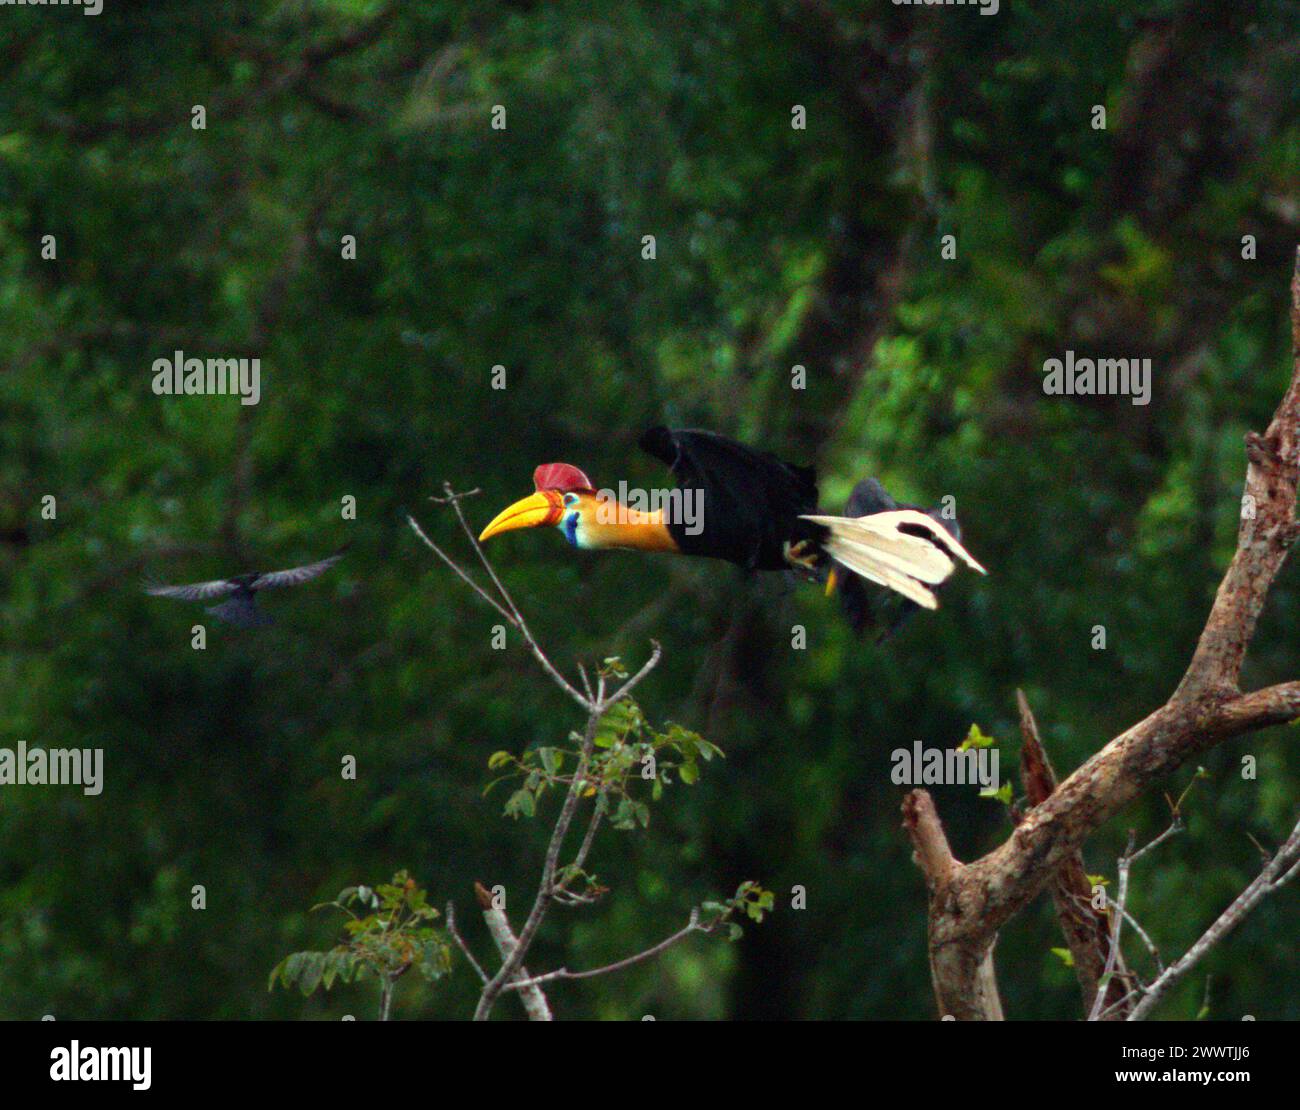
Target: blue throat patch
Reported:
[(569, 526)]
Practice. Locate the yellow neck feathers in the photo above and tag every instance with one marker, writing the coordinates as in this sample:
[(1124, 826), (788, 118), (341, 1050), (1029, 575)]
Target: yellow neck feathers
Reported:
[(613, 524)]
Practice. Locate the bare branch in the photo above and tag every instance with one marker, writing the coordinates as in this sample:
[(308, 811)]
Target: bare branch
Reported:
[(509, 611), (635, 680), (456, 567), (460, 943), (941, 870), (1137, 928), (545, 888), (692, 926), (519, 621), (1174, 829), (535, 1004), (597, 812), (1114, 960), (1206, 710), (929, 841), (1264, 538), (1086, 930), (1279, 870)]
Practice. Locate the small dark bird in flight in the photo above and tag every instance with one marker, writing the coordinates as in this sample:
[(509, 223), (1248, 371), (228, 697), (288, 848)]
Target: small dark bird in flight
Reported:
[(760, 513), (240, 607)]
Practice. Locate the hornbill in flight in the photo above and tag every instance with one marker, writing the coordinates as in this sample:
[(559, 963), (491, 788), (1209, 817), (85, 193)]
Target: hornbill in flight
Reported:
[(758, 512), (240, 607)]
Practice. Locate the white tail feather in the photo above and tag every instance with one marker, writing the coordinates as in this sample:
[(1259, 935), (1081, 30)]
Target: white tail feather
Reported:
[(911, 555), (875, 547), (861, 561)]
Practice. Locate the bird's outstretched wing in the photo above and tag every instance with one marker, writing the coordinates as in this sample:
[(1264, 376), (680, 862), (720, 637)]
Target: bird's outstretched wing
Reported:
[(195, 591), (296, 575), (752, 499)]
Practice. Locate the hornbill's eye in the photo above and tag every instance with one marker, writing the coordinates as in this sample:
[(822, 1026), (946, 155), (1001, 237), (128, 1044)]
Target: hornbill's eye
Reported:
[(570, 499)]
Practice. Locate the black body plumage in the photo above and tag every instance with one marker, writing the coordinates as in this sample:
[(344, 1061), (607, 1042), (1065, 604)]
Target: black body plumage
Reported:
[(752, 500), (753, 505)]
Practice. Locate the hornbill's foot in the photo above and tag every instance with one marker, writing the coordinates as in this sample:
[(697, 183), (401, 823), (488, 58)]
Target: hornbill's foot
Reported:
[(798, 555)]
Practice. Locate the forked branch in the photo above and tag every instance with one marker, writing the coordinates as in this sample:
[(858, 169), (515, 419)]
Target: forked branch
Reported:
[(1206, 710)]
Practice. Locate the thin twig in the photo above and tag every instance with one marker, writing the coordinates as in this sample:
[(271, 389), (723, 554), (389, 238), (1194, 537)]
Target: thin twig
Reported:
[(1155, 953), (598, 811), (1099, 1010), (456, 567), (1174, 829), (1279, 871), (635, 680), (454, 499), (692, 926), (1112, 952), (460, 943), (1116, 1007)]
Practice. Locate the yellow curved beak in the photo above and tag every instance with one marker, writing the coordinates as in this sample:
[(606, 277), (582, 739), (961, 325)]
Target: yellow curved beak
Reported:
[(831, 582), (543, 507)]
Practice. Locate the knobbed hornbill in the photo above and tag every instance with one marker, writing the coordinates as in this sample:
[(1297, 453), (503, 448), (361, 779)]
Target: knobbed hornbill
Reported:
[(758, 512)]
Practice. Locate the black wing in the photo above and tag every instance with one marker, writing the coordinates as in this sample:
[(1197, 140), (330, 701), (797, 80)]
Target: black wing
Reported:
[(752, 501), (295, 575), (868, 497), (196, 591)]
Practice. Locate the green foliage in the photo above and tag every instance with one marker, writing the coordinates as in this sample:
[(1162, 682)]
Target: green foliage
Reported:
[(631, 760), (975, 739), (389, 932), (1002, 794), (750, 899)]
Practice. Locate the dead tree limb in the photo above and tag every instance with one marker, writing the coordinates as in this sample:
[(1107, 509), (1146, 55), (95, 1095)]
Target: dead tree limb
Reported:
[(1207, 709), (530, 991), (1086, 930)]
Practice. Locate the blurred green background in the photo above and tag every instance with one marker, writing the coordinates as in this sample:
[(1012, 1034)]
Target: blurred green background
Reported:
[(522, 247)]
